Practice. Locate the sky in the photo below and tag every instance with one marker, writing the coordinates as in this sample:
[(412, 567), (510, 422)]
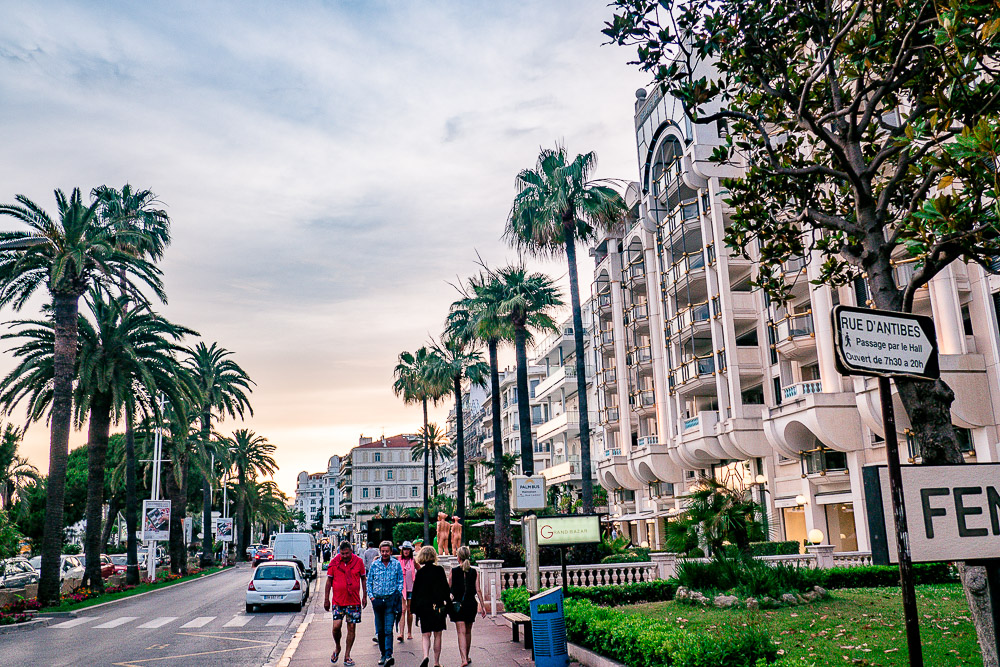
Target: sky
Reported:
[(331, 170)]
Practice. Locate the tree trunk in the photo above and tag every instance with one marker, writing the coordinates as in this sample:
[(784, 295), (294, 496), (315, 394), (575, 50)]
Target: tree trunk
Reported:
[(434, 469), (131, 501), (114, 506), (65, 311), (523, 400), (501, 510), (586, 472), (241, 507), (97, 449), (459, 452), (427, 501), (207, 547), (178, 512)]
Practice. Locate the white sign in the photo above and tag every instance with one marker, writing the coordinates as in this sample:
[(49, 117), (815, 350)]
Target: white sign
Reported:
[(224, 529), (155, 520), (188, 529), (879, 342), (569, 529), (529, 492), (952, 512)]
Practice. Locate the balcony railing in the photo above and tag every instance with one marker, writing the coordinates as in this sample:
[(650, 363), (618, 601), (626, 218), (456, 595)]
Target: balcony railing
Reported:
[(635, 271), (604, 300), (691, 261), (637, 313), (699, 312), (643, 399), (609, 376), (649, 440), (607, 338), (684, 213), (609, 415), (801, 389), (695, 368), (904, 270), (614, 451), (793, 265), (691, 422), (793, 326)]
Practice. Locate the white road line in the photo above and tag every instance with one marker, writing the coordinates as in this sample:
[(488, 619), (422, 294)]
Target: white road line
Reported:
[(279, 620), (199, 622), (115, 623), (75, 622), (237, 621), (159, 622)]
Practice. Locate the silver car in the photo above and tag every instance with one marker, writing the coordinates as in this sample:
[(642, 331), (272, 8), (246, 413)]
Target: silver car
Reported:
[(71, 568), (17, 573)]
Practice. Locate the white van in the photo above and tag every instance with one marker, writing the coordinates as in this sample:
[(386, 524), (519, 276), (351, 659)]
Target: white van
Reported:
[(297, 547)]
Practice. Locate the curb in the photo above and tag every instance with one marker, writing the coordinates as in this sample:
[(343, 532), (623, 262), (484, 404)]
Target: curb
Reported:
[(28, 625), (589, 658)]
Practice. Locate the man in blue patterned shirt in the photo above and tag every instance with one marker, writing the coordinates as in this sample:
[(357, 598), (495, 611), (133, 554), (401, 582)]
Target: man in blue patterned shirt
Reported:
[(385, 588)]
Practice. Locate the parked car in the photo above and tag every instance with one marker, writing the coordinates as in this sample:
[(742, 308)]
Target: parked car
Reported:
[(17, 573), (71, 568), (262, 555), (107, 567), (252, 549), (120, 563), (299, 548), (277, 582)]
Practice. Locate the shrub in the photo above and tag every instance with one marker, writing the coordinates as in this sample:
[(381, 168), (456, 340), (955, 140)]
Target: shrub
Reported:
[(785, 548), (876, 576), (516, 599), (409, 531), (746, 577), (636, 555)]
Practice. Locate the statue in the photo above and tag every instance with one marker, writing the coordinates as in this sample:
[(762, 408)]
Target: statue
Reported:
[(456, 535), (443, 529)]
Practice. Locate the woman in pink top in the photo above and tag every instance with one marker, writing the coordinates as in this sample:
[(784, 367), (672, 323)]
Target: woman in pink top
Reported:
[(410, 567)]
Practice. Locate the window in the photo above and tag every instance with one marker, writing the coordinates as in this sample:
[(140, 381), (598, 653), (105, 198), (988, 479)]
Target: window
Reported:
[(378, 457), (388, 475), (753, 395), (821, 460), (413, 492), (378, 491), (967, 320), (364, 493)]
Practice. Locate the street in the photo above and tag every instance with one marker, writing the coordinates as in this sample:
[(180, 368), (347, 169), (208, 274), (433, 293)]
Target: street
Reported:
[(201, 622)]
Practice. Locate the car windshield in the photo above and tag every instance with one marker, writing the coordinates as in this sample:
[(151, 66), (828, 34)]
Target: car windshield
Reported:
[(282, 573), (119, 560), (36, 562)]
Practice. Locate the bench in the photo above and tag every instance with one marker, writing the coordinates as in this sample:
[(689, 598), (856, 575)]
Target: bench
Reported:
[(516, 621)]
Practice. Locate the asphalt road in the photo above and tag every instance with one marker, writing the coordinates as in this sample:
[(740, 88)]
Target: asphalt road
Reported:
[(201, 622)]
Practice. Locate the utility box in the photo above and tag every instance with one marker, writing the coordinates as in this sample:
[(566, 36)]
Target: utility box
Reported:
[(548, 629)]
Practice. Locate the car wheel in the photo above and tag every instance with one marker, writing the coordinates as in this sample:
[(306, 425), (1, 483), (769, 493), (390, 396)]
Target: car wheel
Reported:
[(249, 608), (300, 605)]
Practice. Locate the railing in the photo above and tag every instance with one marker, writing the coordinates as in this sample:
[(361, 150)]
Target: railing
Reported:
[(793, 326), (852, 558), (691, 423), (604, 300), (699, 312), (641, 355), (609, 415), (636, 271), (609, 376), (794, 560), (607, 338), (697, 367), (639, 312), (904, 270), (648, 440), (614, 451), (801, 389), (691, 261), (684, 213), (793, 265)]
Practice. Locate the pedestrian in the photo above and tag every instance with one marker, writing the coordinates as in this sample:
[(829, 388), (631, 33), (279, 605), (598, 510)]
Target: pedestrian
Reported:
[(385, 588), (430, 602), (464, 589), (410, 567), (345, 578), (371, 553)]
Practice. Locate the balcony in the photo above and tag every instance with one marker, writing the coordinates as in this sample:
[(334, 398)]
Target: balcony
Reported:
[(604, 302), (608, 378), (794, 336), (640, 356), (609, 416), (638, 315), (744, 305), (648, 440), (613, 471), (561, 473), (689, 263), (568, 421), (808, 419), (557, 379), (748, 357), (694, 373), (800, 390), (606, 340), (691, 320), (683, 218), (698, 442)]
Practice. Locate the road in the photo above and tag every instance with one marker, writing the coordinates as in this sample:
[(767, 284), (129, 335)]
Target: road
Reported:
[(201, 622)]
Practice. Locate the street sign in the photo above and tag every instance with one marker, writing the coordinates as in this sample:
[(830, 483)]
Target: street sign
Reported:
[(529, 492), (886, 343), (955, 511), (570, 529), (155, 520)]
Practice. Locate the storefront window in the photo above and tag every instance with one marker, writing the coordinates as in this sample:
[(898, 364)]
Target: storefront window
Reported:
[(840, 524), (794, 519)]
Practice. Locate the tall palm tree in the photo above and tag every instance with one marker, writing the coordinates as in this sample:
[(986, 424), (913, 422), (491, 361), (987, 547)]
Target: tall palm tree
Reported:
[(477, 315), (454, 359), (15, 471), (133, 209), (434, 439), (415, 383), (558, 203), (67, 255), (267, 505), (528, 302), (249, 455), (223, 389)]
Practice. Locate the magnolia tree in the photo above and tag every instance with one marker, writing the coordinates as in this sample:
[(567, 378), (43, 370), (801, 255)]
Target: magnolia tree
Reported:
[(864, 131)]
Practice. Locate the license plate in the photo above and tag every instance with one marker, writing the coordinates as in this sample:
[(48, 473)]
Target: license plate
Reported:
[(273, 597)]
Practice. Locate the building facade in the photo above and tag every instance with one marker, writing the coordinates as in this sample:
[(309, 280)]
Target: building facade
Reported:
[(320, 491), (381, 472)]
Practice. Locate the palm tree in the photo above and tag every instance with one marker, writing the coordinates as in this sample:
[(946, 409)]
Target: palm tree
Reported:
[(434, 440), (223, 388), (455, 360), (132, 209), (15, 471), (717, 515), (528, 301), (557, 203), (267, 505), (415, 383), (477, 315), (249, 455), (66, 255)]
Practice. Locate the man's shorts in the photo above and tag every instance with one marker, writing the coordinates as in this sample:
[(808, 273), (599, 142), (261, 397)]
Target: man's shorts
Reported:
[(351, 612)]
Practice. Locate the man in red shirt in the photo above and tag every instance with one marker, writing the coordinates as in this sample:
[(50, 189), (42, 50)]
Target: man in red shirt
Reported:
[(346, 578)]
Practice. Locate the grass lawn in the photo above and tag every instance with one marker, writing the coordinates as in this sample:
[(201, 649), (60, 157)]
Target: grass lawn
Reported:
[(862, 626), (141, 588)]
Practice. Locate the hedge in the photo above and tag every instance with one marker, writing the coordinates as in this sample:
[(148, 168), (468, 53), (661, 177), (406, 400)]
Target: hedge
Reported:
[(880, 576), (516, 599), (411, 530)]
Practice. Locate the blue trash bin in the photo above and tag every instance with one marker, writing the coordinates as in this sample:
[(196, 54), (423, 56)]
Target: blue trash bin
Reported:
[(548, 629)]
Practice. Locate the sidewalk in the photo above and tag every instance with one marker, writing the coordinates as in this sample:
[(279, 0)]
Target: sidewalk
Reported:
[(491, 644)]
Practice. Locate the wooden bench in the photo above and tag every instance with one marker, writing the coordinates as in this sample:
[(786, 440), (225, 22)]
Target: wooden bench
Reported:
[(516, 621)]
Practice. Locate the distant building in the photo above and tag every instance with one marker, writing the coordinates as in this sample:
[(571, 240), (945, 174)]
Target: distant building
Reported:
[(320, 490), (379, 473)]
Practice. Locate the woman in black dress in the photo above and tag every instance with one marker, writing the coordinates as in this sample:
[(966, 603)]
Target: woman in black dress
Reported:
[(464, 588), (430, 602)]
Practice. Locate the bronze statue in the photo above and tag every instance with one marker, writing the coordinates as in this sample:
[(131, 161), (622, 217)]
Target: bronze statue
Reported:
[(443, 531), (456, 535)]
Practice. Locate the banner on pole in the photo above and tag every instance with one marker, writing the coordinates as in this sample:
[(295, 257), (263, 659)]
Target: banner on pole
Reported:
[(224, 529), (188, 529), (155, 520)]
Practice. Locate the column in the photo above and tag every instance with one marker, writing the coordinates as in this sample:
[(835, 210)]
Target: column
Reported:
[(822, 305), (855, 460), (824, 555), (489, 570), (666, 564), (947, 313)]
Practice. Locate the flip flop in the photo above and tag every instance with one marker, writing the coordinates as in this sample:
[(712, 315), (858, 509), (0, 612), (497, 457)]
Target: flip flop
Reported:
[(349, 662), (335, 657)]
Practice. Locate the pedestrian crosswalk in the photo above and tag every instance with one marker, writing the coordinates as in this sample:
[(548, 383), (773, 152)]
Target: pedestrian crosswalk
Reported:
[(275, 622)]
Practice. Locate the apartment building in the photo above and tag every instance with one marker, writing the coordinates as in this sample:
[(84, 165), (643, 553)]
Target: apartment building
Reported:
[(320, 491), (381, 472), (699, 375)]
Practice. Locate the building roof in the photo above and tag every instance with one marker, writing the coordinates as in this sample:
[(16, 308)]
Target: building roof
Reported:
[(391, 441)]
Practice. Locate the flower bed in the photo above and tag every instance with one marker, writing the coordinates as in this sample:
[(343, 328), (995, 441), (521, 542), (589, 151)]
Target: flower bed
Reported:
[(19, 611)]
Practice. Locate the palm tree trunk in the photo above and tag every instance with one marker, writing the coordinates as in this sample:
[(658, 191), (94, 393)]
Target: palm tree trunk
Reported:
[(459, 452), (434, 468), (131, 501), (114, 506), (65, 312), (241, 513), (501, 511), (97, 449), (178, 511), (523, 400), (207, 548), (427, 502), (581, 374)]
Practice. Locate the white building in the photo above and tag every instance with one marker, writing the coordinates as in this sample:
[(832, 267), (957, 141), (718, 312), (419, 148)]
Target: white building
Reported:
[(379, 473), (320, 490)]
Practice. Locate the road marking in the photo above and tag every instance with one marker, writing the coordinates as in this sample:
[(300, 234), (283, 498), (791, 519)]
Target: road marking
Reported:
[(159, 622), (156, 647), (279, 620), (237, 621), (199, 622), (75, 622), (115, 623), (293, 646)]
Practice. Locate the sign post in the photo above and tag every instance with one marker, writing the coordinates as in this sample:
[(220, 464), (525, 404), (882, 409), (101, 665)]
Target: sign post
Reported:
[(563, 531), (889, 344)]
